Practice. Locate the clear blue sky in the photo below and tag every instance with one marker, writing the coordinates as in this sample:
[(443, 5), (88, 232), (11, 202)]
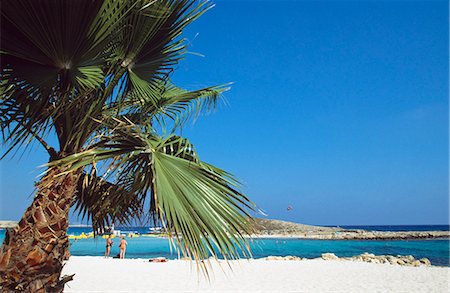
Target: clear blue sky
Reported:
[(339, 109)]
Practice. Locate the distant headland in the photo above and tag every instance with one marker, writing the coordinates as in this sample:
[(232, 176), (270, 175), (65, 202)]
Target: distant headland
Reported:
[(8, 224), (278, 228)]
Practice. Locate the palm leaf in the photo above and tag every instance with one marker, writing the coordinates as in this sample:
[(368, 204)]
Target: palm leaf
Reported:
[(97, 73), (105, 203), (199, 205), (150, 43), (51, 59), (172, 103)]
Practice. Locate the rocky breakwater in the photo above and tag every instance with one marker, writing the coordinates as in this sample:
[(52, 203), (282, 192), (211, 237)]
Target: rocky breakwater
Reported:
[(401, 260), (376, 235)]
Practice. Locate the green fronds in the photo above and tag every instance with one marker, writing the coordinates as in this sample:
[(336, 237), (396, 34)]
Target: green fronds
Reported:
[(199, 205), (96, 74), (150, 53), (105, 203), (51, 61), (199, 208), (180, 105)]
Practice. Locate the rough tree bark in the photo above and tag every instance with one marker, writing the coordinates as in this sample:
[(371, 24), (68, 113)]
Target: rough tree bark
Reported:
[(32, 255)]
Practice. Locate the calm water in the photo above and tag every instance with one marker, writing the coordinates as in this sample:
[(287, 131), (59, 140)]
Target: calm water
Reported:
[(437, 251)]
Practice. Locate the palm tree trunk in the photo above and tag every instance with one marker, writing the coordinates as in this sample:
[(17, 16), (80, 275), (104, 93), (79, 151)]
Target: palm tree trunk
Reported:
[(32, 255)]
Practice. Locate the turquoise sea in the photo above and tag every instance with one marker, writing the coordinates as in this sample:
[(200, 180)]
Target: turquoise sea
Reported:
[(437, 251)]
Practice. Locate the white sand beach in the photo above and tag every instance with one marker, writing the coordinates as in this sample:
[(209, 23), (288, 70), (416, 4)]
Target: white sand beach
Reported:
[(97, 274)]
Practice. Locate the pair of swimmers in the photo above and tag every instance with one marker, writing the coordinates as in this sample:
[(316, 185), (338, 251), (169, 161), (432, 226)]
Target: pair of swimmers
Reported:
[(122, 246)]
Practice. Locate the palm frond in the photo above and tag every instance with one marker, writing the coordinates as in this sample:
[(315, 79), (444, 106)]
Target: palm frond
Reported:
[(172, 103), (105, 203), (51, 59), (199, 205), (97, 73), (150, 43)]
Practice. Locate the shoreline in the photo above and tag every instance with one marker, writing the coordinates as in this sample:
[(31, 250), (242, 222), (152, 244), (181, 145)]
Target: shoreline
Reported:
[(360, 235), (392, 259), (98, 274), (396, 260), (340, 235)]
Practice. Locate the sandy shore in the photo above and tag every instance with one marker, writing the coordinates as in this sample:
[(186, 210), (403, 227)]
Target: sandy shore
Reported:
[(96, 274)]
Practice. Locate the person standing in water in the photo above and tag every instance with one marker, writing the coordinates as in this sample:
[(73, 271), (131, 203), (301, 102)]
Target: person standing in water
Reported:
[(109, 244), (123, 246)]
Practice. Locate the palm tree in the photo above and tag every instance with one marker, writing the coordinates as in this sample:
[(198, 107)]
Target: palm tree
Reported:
[(96, 75)]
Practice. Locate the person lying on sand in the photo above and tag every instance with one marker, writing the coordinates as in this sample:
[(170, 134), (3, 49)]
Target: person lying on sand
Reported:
[(158, 259)]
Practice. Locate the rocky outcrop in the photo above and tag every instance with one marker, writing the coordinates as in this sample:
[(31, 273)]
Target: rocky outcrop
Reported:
[(277, 228), (329, 256), (378, 235), (402, 260), (270, 227), (289, 257)]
